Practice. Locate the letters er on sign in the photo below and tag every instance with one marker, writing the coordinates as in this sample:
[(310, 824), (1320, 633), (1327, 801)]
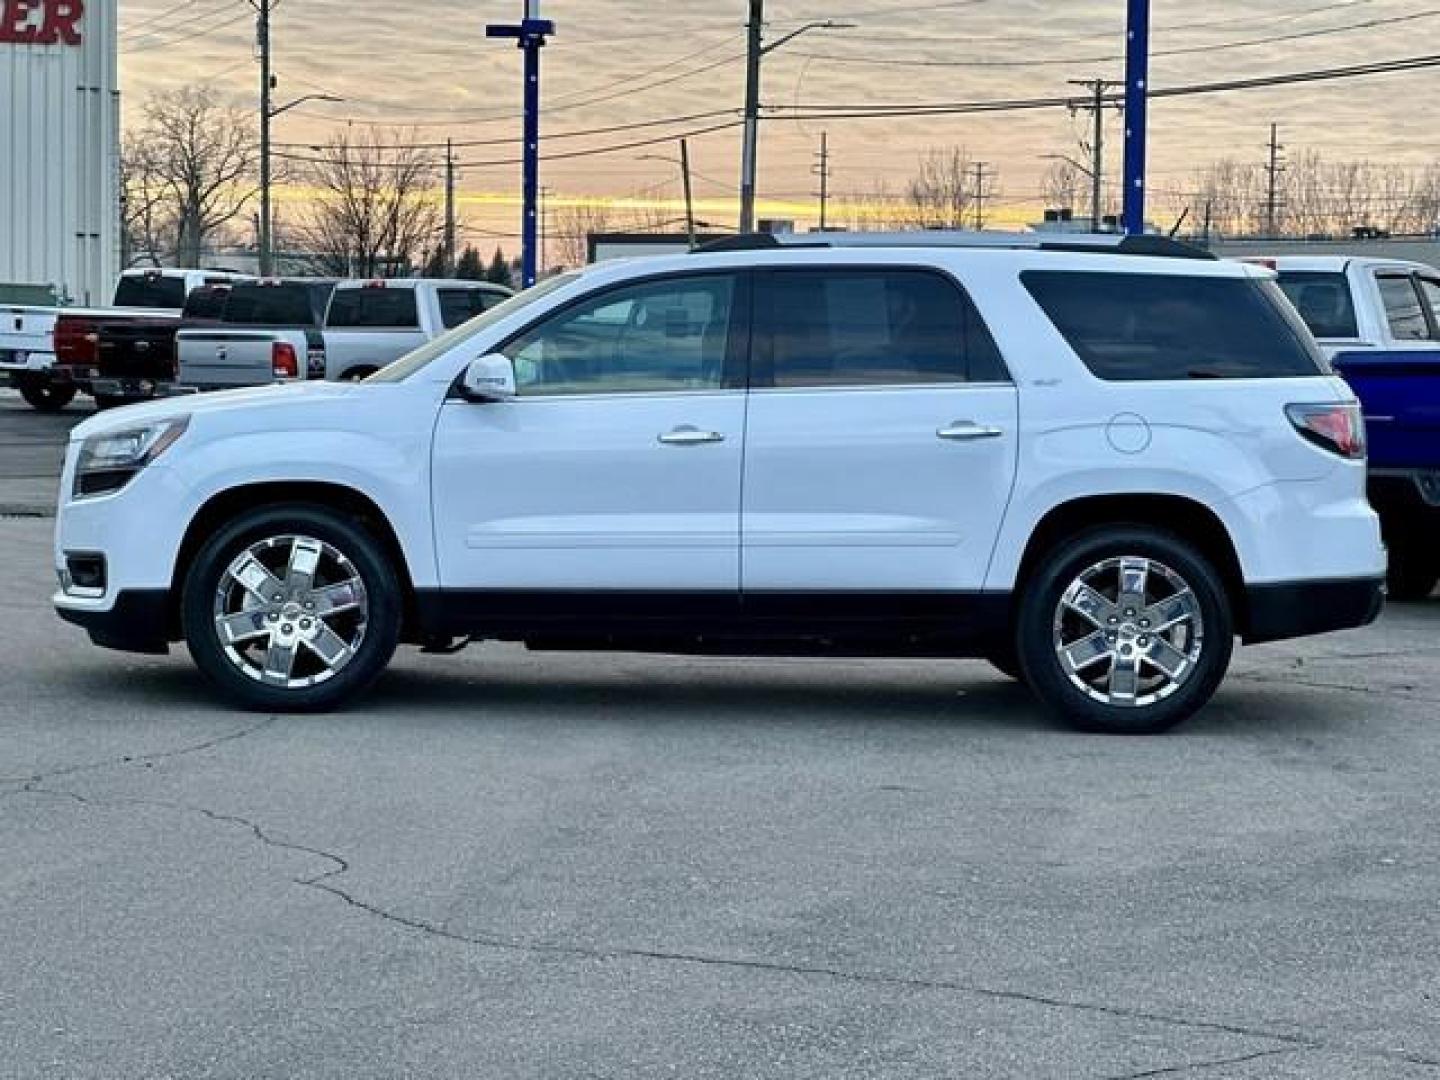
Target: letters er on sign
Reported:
[(41, 22)]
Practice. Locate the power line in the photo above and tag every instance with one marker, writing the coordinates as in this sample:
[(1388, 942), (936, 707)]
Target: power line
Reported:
[(134, 29), (1190, 50), (204, 31), (841, 111)]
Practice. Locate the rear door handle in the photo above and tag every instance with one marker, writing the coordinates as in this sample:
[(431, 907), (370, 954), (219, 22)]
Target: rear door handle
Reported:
[(966, 430), (686, 435)]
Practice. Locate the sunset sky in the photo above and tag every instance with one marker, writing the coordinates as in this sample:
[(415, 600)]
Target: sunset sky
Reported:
[(427, 64)]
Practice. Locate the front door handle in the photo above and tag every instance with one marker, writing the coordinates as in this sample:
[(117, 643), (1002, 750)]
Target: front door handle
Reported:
[(686, 435), (966, 430)]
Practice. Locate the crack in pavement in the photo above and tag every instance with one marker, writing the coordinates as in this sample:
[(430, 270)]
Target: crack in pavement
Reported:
[(1214, 1063), (1404, 693), (340, 865), (32, 782)]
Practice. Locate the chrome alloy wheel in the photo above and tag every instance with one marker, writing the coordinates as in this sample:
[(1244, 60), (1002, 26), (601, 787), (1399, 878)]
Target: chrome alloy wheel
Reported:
[(290, 611), (1128, 632)]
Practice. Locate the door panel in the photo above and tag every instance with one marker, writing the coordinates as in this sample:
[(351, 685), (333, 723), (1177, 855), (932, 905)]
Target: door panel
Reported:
[(856, 490), (618, 466), (881, 436)]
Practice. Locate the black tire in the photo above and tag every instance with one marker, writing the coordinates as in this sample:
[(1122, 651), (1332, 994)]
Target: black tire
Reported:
[(1007, 662), (45, 396), (356, 374), (1040, 607), (1414, 569), (105, 402), (382, 599)]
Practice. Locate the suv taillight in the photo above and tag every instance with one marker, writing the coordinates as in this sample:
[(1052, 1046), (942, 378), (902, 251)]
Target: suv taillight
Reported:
[(284, 361), (1339, 428)]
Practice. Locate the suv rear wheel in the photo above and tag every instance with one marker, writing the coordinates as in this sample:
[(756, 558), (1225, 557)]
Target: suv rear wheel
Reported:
[(1125, 630), (292, 608)]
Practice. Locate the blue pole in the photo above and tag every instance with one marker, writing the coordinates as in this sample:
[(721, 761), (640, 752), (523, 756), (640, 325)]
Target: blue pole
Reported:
[(530, 36), (529, 229), (1137, 90)]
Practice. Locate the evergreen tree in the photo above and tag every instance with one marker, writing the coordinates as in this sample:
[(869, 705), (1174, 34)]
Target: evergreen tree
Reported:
[(499, 271), (471, 266), (435, 265)]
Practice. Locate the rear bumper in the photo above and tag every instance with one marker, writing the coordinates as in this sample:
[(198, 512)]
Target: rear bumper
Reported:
[(139, 620), (1301, 608)]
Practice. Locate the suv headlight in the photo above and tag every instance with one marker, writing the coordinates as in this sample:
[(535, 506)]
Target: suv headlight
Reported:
[(108, 462)]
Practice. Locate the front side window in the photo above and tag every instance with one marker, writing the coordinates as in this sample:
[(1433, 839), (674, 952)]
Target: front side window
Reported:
[(1323, 300), (671, 335), (1154, 327), (871, 327), (1402, 308)]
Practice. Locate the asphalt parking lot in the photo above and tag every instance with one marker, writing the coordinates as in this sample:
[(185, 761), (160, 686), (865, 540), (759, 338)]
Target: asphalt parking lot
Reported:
[(513, 865)]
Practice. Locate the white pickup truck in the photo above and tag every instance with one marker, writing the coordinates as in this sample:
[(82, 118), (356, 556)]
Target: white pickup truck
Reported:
[(27, 334), (373, 323), (268, 332)]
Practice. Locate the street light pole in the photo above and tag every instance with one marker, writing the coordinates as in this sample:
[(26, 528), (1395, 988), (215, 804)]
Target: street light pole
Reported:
[(1137, 103), (750, 143)]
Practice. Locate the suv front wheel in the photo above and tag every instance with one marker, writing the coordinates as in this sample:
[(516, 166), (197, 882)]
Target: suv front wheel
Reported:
[(1125, 630), (292, 608)]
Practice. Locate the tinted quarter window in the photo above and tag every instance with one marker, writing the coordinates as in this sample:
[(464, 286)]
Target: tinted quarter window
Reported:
[(1139, 327), (150, 291), (207, 302), (1323, 300), (461, 305), (840, 327), (373, 308), (1402, 308), (656, 336)]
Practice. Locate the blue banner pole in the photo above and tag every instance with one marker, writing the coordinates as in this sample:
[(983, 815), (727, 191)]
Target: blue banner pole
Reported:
[(1137, 91), (530, 36)]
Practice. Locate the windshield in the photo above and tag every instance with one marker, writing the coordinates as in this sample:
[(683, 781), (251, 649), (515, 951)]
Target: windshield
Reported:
[(422, 357)]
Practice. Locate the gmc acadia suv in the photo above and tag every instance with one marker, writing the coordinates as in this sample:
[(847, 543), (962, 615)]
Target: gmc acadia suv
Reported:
[(1094, 462)]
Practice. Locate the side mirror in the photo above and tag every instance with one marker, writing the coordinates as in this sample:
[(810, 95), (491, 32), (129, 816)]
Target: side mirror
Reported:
[(489, 378)]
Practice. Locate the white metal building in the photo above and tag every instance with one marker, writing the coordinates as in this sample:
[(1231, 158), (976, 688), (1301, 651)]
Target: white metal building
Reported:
[(59, 146)]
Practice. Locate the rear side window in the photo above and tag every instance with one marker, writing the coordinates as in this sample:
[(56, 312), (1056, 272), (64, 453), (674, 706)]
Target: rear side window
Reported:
[(1402, 308), (150, 291), (870, 327), (1152, 327), (206, 303), (1323, 300), (373, 308), (461, 305), (285, 304)]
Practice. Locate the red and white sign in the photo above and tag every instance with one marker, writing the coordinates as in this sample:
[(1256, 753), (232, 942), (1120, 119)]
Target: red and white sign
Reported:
[(41, 22)]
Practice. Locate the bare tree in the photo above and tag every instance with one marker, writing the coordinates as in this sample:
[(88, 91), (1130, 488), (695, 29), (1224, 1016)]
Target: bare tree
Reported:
[(573, 226), (1063, 185), (376, 211), (144, 223), (941, 194), (198, 160)]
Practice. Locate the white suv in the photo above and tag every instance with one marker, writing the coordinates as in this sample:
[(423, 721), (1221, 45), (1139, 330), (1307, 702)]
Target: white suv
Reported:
[(1093, 462)]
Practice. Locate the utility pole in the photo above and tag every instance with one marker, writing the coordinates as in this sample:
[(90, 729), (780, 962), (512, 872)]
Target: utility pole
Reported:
[(755, 51), (981, 194), (750, 139), (1098, 89), (689, 198), (1273, 168), (267, 85), (529, 35), (449, 207), (821, 168)]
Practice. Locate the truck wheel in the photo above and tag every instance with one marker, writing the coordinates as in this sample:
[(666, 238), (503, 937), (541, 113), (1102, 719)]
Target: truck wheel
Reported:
[(1414, 569), (45, 396), (1007, 662), (1125, 630), (356, 374), (291, 608)]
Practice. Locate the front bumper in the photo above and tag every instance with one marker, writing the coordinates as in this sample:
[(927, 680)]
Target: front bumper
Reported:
[(1292, 609), (138, 620)]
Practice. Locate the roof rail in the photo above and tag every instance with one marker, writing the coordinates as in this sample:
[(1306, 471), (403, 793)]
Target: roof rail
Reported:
[(1095, 243)]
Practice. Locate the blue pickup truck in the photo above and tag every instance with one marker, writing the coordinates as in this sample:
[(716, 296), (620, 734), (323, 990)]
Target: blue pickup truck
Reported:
[(1378, 321)]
